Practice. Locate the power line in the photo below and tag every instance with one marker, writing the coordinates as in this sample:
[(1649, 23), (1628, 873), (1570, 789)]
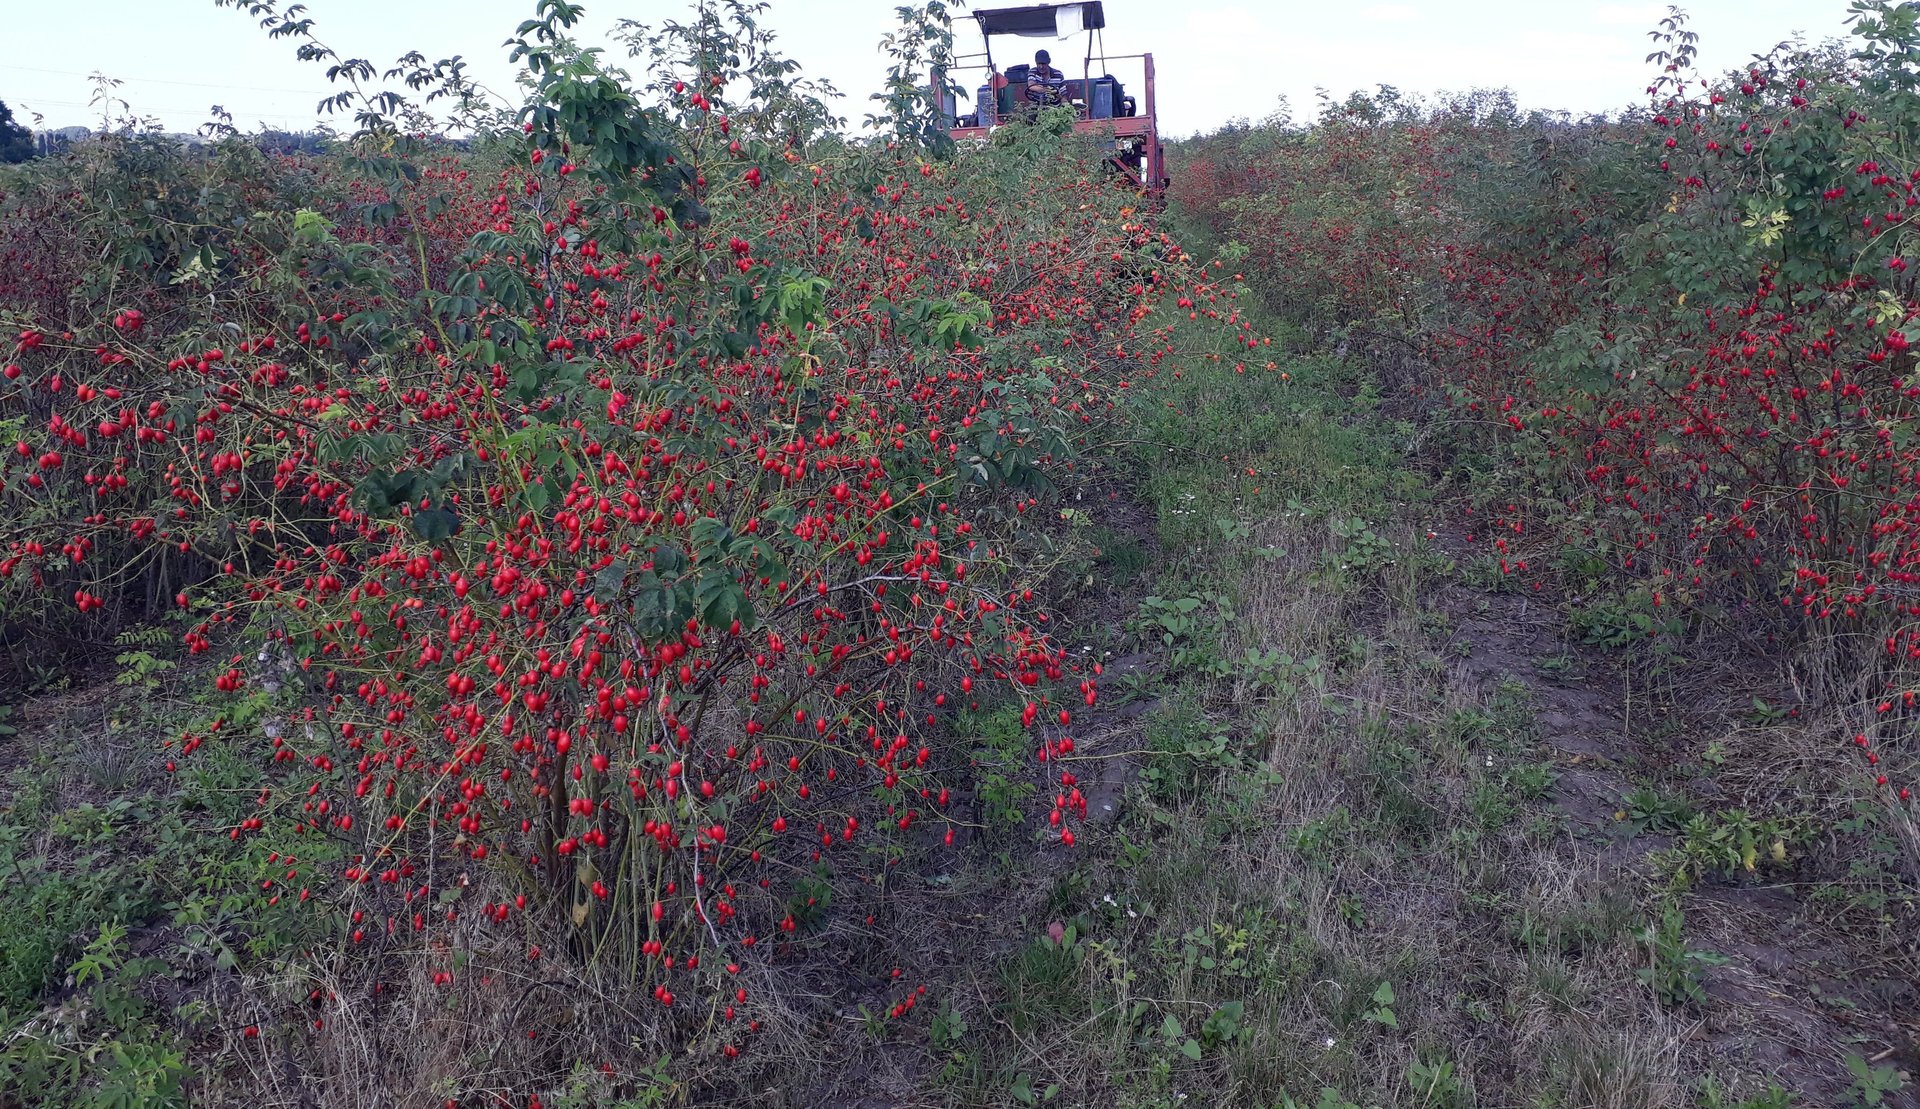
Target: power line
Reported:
[(155, 109), (28, 102), (159, 80), (31, 103)]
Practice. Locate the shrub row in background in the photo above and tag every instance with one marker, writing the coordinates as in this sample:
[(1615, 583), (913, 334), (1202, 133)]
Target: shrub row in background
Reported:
[(1672, 347)]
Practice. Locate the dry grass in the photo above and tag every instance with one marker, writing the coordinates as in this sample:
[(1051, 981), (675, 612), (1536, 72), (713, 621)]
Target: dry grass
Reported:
[(1317, 872), (1395, 833)]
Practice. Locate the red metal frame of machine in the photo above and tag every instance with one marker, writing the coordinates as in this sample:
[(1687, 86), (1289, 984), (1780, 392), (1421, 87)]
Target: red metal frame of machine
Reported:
[(1143, 127)]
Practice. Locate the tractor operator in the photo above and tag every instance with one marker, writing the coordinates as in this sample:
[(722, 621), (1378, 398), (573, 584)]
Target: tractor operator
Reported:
[(1044, 83)]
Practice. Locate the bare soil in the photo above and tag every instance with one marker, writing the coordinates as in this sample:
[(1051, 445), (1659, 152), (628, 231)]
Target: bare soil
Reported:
[(1796, 995)]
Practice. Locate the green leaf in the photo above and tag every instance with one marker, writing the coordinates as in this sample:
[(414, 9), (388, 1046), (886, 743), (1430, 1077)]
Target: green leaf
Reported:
[(310, 226), (606, 583), (710, 534), (721, 600), (435, 524)]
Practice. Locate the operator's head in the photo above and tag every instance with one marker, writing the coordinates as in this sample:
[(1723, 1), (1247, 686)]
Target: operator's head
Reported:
[(1041, 57)]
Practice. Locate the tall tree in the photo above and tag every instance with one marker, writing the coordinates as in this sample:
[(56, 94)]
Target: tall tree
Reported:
[(16, 142)]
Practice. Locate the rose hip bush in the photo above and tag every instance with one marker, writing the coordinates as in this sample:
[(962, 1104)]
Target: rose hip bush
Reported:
[(1676, 341), (590, 531)]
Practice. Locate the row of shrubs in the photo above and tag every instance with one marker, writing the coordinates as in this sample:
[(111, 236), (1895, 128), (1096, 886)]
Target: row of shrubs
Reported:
[(589, 531), (1671, 347)]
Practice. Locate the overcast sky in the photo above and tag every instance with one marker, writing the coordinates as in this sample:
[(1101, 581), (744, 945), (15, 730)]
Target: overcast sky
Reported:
[(1217, 59)]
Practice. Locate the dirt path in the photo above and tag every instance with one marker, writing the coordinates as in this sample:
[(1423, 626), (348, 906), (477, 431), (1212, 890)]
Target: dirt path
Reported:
[(1795, 996)]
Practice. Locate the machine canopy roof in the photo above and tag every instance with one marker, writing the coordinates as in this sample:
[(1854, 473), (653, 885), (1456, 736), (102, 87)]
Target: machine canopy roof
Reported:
[(1050, 21)]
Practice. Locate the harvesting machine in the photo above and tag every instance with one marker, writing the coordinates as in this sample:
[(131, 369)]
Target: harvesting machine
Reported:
[(1125, 122)]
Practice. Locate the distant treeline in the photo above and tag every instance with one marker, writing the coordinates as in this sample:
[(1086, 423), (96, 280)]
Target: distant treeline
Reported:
[(43, 144)]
